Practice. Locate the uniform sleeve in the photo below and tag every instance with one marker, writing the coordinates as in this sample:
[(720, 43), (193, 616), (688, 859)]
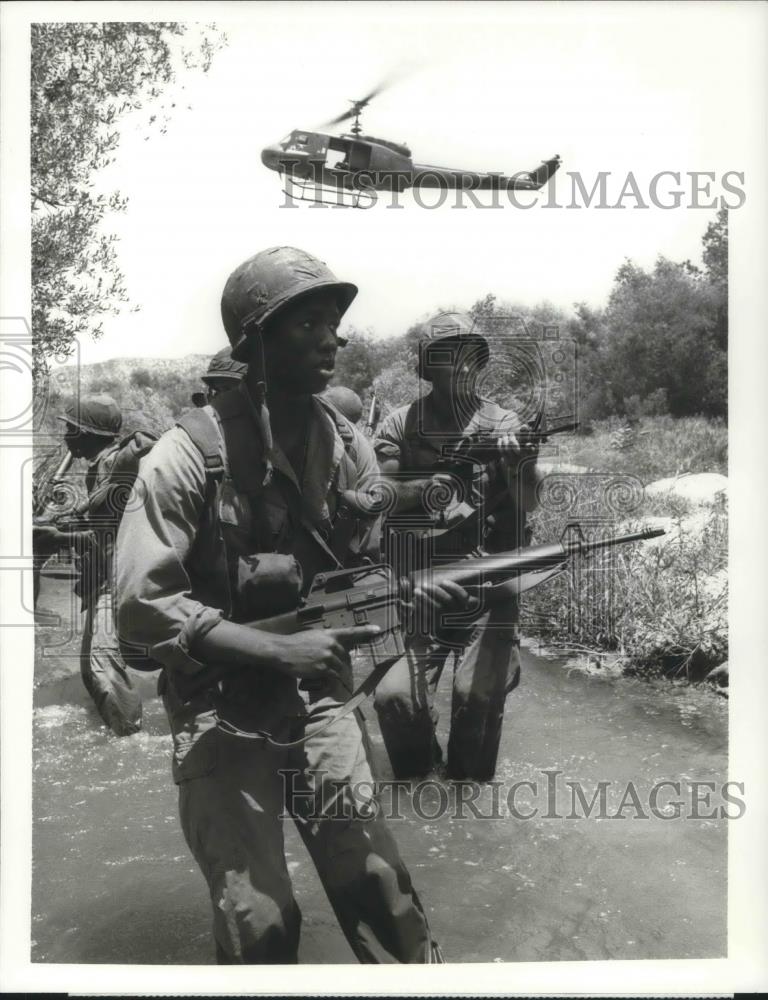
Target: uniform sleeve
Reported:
[(389, 437), (154, 603), (365, 463)]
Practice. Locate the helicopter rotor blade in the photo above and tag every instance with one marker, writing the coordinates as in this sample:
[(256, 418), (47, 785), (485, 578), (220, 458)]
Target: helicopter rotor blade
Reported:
[(358, 105)]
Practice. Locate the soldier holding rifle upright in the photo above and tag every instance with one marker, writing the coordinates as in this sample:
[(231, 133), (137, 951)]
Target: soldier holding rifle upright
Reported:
[(240, 512), (410, 446), (92, 427)]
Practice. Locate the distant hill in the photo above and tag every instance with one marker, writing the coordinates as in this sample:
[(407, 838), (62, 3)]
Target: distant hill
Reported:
[(119, 370), (151, 392)]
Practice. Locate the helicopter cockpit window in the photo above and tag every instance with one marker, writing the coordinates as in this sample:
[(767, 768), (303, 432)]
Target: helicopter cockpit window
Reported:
[(294, 139)]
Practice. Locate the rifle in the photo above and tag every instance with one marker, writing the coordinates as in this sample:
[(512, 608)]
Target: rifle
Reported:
[(481, 447), (374, 413), (371, 595), (461, 460)]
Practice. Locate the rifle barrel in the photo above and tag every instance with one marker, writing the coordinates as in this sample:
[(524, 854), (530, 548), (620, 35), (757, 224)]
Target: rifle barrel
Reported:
[(535, 557), (467, 572)]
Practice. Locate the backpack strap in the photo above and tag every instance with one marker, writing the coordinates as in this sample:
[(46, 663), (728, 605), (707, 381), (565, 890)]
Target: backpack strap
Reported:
[(203, 430), (343, 541), (347, 434)]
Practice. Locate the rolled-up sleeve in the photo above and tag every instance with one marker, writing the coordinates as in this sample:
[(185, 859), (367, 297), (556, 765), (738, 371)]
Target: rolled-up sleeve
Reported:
[(155, 607)]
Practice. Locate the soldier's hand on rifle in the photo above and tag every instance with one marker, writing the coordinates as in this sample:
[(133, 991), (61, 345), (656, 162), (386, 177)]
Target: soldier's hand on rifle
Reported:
[(432, 598), (318, 654)]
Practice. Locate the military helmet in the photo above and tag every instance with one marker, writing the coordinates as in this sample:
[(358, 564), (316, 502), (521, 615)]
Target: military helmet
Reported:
[(265, 283), (222, 366), (346, 401), (446, 328), (96, 414)]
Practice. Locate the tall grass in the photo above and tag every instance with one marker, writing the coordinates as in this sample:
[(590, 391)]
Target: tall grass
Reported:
[(659, 606), (659, 447)]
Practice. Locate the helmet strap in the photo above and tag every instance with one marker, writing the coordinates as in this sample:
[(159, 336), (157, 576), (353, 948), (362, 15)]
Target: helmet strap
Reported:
[(258, 393)]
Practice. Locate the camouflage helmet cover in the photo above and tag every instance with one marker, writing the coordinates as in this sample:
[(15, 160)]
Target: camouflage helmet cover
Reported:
[(449, 326), (96, 414), (222, 366), (268, 281)]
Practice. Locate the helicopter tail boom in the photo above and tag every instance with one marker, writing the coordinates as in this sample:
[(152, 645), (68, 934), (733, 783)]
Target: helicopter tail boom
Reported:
[(428, 176)]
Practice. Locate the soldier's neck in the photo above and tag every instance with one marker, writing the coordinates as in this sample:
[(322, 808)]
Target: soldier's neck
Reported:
[(286, 411)]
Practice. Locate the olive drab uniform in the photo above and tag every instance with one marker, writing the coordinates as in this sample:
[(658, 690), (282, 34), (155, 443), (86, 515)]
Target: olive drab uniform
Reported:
[(101, 665), (218, 537), (486, 654)]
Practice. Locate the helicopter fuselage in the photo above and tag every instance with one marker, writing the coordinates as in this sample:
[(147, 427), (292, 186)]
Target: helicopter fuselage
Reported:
[(362, 162)]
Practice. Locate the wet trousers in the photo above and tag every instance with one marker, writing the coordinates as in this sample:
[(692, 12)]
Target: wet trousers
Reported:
[(232, 818), (104, 673), (486, 670)]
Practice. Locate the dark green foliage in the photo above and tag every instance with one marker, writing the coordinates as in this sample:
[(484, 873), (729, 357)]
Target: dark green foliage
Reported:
[(85, 78)]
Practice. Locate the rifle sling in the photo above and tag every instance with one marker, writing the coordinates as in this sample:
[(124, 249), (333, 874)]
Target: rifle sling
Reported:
[(354, 701)]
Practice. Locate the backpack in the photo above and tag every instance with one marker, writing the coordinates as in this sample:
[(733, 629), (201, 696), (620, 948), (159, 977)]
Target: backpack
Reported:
[(119, 489), (202, 429)]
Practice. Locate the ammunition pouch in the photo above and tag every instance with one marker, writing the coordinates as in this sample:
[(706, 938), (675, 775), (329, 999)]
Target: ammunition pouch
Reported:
[(268, 583)]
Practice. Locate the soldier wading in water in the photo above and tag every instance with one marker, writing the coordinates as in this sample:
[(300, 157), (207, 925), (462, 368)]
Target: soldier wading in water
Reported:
[(409, 446), (93, 425), (240, 513)]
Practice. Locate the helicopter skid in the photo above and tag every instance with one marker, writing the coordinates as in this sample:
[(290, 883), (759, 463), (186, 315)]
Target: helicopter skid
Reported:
[(299, 189)]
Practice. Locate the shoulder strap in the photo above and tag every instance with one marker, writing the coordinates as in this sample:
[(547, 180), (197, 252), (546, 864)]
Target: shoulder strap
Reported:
[(203, 431), (343, 426)]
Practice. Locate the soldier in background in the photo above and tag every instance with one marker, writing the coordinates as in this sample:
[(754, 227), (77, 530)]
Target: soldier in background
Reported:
[(223, 373), (92, 427), (346, 401), (408, 446)]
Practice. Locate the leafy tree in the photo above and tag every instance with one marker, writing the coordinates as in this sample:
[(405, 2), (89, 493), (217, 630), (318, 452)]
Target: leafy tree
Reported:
[(715, 254), (84, 79), (662, 333)]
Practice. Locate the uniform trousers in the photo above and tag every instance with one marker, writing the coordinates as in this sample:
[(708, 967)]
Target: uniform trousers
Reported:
[(487, 668), (232, 818)]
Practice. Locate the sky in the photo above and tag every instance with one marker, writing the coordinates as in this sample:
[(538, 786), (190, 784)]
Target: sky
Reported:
[(610, 87)]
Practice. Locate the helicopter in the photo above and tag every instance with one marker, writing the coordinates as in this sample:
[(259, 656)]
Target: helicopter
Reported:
[(324, 166)]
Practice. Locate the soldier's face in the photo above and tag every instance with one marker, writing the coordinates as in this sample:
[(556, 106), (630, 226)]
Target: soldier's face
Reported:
[(300, 347), (458, 374), (73, 439), (216, 385), (81, 444)]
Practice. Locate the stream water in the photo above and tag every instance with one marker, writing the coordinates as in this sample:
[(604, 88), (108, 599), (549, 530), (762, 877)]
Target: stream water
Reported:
[(113, 880)]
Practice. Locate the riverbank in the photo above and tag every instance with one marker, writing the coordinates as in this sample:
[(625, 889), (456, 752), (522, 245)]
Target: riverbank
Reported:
[(655, 609)]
